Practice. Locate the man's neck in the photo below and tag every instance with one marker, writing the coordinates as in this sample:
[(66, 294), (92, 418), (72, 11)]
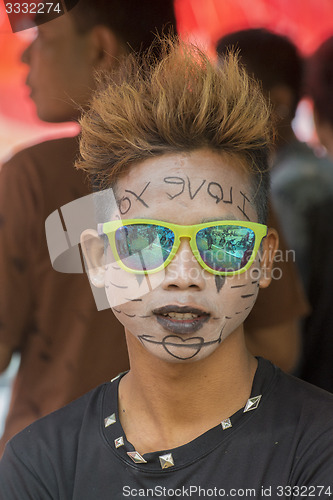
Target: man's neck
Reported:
[(165, 405)]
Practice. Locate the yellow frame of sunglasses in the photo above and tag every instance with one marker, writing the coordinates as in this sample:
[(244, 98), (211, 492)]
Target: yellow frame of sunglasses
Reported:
[(182, 231)]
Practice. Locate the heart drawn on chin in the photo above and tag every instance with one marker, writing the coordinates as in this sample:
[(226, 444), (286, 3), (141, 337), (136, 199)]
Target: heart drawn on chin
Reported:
[(173, 344)]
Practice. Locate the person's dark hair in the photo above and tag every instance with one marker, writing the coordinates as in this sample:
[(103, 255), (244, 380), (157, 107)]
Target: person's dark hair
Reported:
[(319, 80), (273, 59), (134, 22), (178, 103)]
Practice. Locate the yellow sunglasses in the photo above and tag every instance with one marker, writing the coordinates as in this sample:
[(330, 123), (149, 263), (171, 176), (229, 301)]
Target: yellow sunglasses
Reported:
[(145, 246)]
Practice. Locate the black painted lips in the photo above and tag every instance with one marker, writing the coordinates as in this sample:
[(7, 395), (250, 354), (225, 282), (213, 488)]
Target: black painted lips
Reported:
[(185, 326)]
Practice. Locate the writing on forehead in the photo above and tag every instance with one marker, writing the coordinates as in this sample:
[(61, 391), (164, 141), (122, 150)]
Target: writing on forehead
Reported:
[(179, 186), (125, 203)]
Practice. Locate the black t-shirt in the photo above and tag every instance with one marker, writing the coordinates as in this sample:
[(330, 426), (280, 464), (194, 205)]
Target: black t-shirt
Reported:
[(281, 448)]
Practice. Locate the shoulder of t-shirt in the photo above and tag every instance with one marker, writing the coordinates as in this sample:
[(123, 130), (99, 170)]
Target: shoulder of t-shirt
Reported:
[(69, 144), (306, 414), (42, 154), (47, 170), (313, 405), (60, 429)]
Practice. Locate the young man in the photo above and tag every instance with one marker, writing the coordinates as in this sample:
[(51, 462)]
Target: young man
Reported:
[(184, 147), (59, 351)]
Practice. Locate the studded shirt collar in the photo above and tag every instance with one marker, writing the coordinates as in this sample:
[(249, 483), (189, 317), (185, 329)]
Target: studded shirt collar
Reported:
[(176, 458)]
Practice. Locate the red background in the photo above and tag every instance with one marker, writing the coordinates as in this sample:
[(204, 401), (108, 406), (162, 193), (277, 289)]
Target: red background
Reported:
[(306, 22)]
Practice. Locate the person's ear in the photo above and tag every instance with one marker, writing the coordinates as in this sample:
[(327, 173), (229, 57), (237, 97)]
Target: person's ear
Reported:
[(93, 250), (270, 245), (105, 48)]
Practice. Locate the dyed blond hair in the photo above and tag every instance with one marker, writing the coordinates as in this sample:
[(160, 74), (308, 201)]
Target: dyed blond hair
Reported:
[(181, 102)]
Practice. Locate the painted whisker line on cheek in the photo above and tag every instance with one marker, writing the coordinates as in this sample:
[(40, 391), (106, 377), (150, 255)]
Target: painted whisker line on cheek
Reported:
[(118, 286), (122, 312), (246, 308), (228, 317), (254, 282), (237, 286), (116, 268), (247, 296), (148, 316), (221, 332), (134, 300)]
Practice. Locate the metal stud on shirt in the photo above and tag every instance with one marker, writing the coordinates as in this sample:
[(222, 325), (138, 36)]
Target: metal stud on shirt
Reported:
[(166, 461), (136, 457), (252, 403), (226, 424), (119, 442), (110, 420)]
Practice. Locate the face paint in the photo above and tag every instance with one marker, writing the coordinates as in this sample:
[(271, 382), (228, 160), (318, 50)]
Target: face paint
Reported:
[(183, 313), (219, 282)]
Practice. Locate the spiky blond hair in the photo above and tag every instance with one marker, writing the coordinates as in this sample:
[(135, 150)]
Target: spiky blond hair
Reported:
[(180, 102)]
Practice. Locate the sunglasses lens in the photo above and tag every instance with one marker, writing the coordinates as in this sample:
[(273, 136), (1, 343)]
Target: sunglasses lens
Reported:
[(144, 246), (225, 248)]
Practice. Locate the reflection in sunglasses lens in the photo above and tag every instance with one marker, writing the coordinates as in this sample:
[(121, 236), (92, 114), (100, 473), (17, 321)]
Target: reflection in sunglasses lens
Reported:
[(144, 246), (225, 248)]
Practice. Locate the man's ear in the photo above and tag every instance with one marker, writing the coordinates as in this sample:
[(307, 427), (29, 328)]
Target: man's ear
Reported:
[(105, 47), (93, 250), (270, 245)]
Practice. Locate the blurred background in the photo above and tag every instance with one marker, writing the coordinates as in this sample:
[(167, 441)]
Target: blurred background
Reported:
[(306, 22)]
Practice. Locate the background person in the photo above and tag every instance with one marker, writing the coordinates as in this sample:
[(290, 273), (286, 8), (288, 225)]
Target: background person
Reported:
[(299, 179), (302, 185), (62, 354), (280, 307), (318, 339)]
